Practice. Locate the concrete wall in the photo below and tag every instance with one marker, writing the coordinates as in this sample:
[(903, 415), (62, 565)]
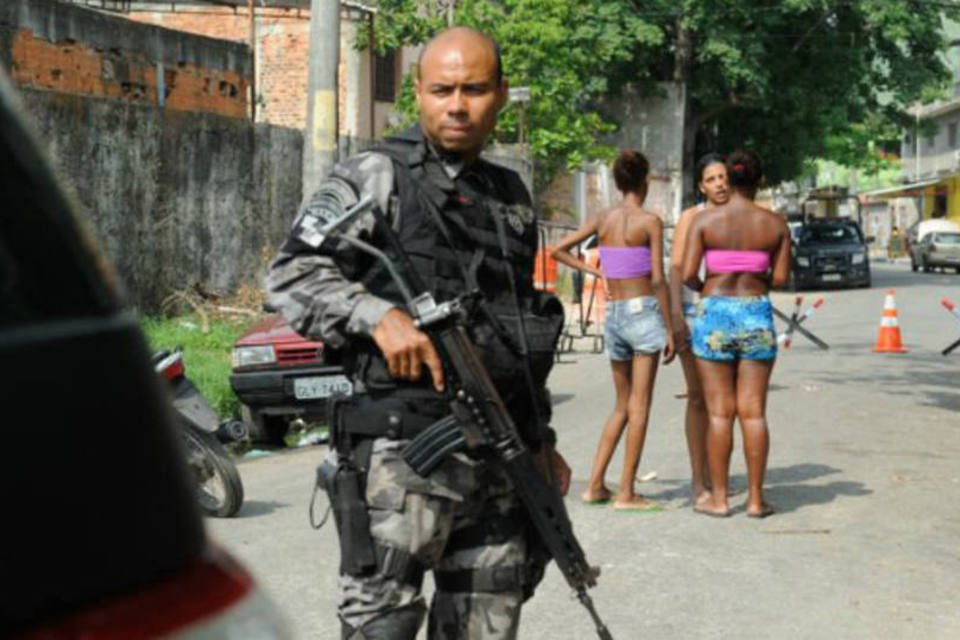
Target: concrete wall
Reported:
[(174, 198), (183, 193), (650, 124), (653, 125)]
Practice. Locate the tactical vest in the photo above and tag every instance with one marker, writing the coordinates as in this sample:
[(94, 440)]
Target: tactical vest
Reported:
[(449, 229)]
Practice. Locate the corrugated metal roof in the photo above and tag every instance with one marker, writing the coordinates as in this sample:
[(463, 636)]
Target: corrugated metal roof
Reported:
[(892, 191)]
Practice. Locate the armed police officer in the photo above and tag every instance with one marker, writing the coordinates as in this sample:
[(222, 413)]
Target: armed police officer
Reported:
[(466, 225)]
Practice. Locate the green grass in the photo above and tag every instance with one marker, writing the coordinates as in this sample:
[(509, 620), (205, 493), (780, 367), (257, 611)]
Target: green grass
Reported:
[(205, 355)]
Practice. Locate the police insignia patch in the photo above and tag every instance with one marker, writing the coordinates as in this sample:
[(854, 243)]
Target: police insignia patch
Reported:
[(328, 205), (515, 223), (518, 216)]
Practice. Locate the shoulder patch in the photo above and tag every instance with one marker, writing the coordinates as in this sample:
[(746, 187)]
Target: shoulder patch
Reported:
[(334, 198), (518, 216)]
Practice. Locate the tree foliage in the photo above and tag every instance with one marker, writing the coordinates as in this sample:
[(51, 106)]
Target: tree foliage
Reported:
[(794, 79), (798, 79), (570, 54)]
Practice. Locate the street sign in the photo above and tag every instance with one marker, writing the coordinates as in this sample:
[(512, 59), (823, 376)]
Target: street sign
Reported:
[(519, 94)]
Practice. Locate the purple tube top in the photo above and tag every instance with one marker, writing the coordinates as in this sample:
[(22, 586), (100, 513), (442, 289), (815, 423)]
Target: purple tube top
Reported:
[(625, 262)]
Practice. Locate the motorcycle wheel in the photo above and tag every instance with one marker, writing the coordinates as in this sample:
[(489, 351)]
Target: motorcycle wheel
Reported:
[(219, 489)]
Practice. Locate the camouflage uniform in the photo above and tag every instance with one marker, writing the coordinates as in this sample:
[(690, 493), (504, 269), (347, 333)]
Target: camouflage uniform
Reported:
[(424, 516), (463, 522)]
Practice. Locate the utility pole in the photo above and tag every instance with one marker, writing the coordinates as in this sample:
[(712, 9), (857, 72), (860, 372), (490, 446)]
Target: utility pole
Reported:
[(320, 136), (253, 58)]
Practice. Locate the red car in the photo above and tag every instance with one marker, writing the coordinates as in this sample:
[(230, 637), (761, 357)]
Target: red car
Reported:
[(280, 376)]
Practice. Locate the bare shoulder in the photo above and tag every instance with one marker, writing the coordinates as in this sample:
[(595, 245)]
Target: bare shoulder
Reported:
[(689, 214), (704, 217), (774, 217), (601, 216), (652, 220)]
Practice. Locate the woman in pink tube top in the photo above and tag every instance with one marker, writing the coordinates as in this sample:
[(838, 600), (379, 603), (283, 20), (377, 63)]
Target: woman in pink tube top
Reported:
[(638, 320), (746, 250), (712, 182)]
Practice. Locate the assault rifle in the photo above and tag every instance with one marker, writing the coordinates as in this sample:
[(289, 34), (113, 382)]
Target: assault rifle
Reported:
[(478, 417)]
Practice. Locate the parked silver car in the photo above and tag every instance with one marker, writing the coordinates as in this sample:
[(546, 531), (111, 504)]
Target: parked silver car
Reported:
[(940, 249)]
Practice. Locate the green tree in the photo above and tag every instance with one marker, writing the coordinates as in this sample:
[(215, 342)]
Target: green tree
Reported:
[(793, 79), (799, 79), (571, 54)]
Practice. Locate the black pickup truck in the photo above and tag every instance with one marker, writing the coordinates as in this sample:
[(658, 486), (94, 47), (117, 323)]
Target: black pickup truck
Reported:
[(829, 252)]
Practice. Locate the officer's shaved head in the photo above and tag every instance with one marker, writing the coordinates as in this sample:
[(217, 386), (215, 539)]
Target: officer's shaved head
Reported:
[(463, 32), (460, 89)]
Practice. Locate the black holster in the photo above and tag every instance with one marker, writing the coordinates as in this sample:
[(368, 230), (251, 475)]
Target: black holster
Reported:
[(345, 485)]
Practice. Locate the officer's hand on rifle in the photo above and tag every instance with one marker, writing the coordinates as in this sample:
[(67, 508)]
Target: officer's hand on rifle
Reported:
[(406, 348)]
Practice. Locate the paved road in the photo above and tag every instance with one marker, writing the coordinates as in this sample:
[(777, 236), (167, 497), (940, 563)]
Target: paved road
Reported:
[(863, 468)]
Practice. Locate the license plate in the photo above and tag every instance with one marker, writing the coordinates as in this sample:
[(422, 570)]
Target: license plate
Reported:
[(831, 277), (321, 387)]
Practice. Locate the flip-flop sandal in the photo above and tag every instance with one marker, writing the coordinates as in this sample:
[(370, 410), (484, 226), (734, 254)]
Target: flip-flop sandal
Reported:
[(713, 514), (650, 507), (766, 511), (597, 502)]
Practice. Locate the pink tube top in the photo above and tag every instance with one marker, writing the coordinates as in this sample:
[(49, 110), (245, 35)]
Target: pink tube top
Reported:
[(728, 261), (625, 262)]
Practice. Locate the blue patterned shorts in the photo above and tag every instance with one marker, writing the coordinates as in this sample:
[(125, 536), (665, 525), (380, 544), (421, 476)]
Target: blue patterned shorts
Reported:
[(734, 327)]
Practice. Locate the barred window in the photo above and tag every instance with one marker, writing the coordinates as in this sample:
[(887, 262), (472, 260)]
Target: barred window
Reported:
[(385, 77)]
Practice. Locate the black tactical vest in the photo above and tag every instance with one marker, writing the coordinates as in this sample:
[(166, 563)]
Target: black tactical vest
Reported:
[(449, 229)]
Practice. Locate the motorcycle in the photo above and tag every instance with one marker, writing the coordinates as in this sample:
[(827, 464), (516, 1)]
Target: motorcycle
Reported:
[(219, 489)]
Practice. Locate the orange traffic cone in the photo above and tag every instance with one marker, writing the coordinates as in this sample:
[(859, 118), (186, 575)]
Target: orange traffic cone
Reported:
[(888, 340)]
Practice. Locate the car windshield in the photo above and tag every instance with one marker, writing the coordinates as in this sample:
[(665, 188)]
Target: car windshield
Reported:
[(833, 233), (946, 238)]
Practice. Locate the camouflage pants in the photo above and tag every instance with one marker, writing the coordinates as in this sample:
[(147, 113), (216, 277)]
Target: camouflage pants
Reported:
[(436, 519)]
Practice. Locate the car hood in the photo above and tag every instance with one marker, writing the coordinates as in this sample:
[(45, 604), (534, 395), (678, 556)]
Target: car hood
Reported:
[(272, 330)]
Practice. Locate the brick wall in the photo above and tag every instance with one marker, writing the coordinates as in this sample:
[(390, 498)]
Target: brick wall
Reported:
[(54, 47), (283, 38), (282, 53)]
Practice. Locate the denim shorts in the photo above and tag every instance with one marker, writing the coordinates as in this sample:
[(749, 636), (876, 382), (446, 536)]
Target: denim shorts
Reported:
[(728, 328), (634, 327)]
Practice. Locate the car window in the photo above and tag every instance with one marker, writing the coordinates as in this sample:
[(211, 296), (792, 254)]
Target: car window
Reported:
[(834, 233), (946, 238)]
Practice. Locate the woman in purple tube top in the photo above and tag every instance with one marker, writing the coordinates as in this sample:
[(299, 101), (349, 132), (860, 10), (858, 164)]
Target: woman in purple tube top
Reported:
[(638, 320), (746, 250)]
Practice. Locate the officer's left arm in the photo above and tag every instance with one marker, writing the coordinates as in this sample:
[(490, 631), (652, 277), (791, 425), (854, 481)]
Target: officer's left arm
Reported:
[(307, 282)]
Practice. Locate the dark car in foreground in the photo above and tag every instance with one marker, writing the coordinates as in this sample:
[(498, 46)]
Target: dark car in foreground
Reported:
[(101, 535), (279, 376), (829, 252)]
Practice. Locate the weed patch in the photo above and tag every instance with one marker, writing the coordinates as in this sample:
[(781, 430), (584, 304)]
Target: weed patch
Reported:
[(207, 356)]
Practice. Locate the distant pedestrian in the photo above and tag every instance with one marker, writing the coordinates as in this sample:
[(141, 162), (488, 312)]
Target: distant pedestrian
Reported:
[(895, 244), (713, 185), (637, 320), (746, 249)]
